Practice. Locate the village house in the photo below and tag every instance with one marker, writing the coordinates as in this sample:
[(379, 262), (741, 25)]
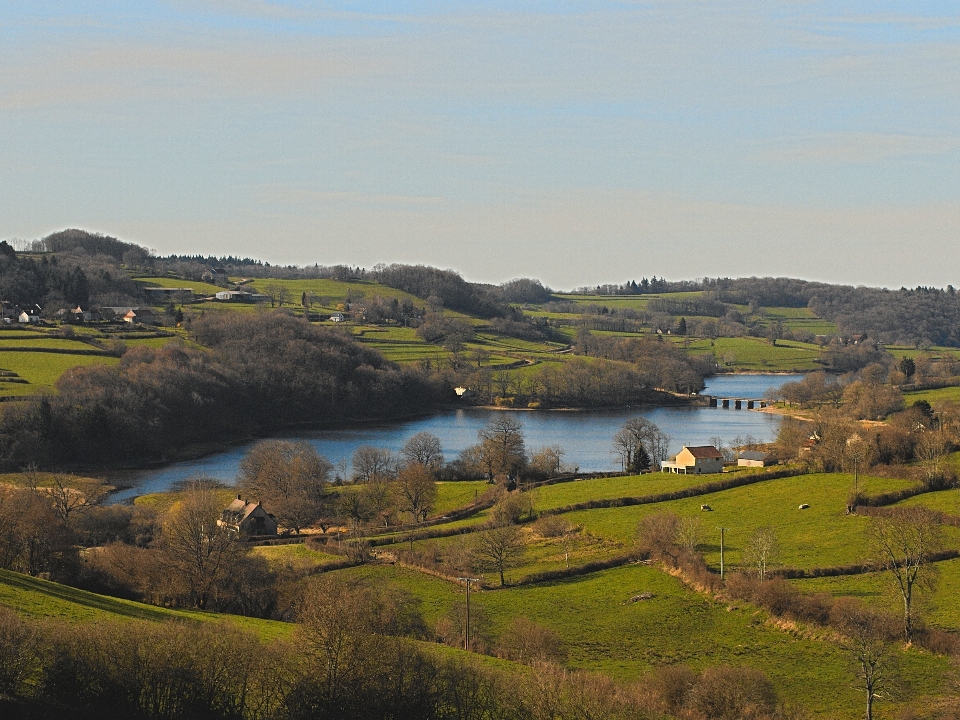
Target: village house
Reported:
[(697, 460), (247, 518), (753, 458)]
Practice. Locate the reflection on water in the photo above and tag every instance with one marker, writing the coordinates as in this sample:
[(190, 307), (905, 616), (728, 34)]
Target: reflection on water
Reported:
[(585, 436)]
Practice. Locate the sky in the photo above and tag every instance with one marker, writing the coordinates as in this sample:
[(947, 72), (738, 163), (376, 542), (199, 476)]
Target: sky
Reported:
[(575, 142)]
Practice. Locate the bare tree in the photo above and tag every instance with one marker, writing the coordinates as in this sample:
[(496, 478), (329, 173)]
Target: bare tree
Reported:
[(415, 490), (499, 548), (289, 478), (195, 548), (762, 551), (526, 641), (902, 542), (378, 498), (640, 444), (548, 461), (71, 494), (932, 447), (424, 448), (867, 638), (690, 532), (370, 463), (657, 537), (502, 447)]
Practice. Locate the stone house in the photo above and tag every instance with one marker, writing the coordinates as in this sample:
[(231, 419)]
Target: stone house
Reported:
[(247, 519)]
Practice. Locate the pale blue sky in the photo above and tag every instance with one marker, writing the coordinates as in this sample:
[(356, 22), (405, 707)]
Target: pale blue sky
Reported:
[(577, 142)]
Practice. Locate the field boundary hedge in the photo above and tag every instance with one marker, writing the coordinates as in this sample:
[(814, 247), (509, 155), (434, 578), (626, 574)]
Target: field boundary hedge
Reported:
[(689, 492)]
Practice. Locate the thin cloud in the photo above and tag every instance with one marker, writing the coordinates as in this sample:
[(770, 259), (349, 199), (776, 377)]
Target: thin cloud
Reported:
[(861, 147)]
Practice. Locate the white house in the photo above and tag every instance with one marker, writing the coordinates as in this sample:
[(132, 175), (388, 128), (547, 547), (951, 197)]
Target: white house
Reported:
[(697, 460)]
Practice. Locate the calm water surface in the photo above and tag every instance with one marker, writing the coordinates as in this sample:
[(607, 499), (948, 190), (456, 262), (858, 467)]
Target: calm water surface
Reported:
[(585, 436)]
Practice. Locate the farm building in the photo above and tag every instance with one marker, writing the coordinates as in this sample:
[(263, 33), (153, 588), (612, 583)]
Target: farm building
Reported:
[(247, 518), (697, 460), (753, 458), (234, 296)]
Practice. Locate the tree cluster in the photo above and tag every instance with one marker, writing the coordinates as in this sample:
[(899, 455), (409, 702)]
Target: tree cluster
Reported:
[(263, 371)]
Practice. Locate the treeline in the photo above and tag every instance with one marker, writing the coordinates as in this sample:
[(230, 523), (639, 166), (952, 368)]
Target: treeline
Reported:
[(58, 281), (262, 371), (445, 286), (660, 364), (348, 658)]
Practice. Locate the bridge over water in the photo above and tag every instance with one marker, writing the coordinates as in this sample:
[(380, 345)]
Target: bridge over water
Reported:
[(735, 403)]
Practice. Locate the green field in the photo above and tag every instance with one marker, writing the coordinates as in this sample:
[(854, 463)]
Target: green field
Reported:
[(33, 597), (42, 370), (939, 395), (605, 632), (198, 287)]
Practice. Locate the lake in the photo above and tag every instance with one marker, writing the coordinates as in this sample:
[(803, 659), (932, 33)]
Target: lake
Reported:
[(585, 436)]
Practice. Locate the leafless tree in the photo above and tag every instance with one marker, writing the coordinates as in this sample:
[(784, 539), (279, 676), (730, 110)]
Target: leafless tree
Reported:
[(690, 532), (526, 641), (867, 639), (378, 497), (548, 461), (639, 442), (499, 548), (657, 537), (932, 447), (415, 490), (424, 448), (370, 463), (762, 551), (902, 543), (502, 446), (71, 494), (289, 478), (195, 548)]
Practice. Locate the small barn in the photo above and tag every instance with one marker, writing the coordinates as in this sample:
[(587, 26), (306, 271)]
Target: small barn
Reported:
[(247, 519), (754, 458), (695, 460)]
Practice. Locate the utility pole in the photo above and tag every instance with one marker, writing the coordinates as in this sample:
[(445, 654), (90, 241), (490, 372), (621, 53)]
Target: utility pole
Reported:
[(722, 530), (466, 634)]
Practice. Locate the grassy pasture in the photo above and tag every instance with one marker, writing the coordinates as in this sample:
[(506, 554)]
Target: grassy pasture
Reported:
[(759, 355), (161, 502), (198, 287), (335, 290), (935, 353), (823, 535), (947, 394), (32, 597), (605, 632), (296, 557), (42, 370), (46, 343), (939, 608), (453, 495)]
